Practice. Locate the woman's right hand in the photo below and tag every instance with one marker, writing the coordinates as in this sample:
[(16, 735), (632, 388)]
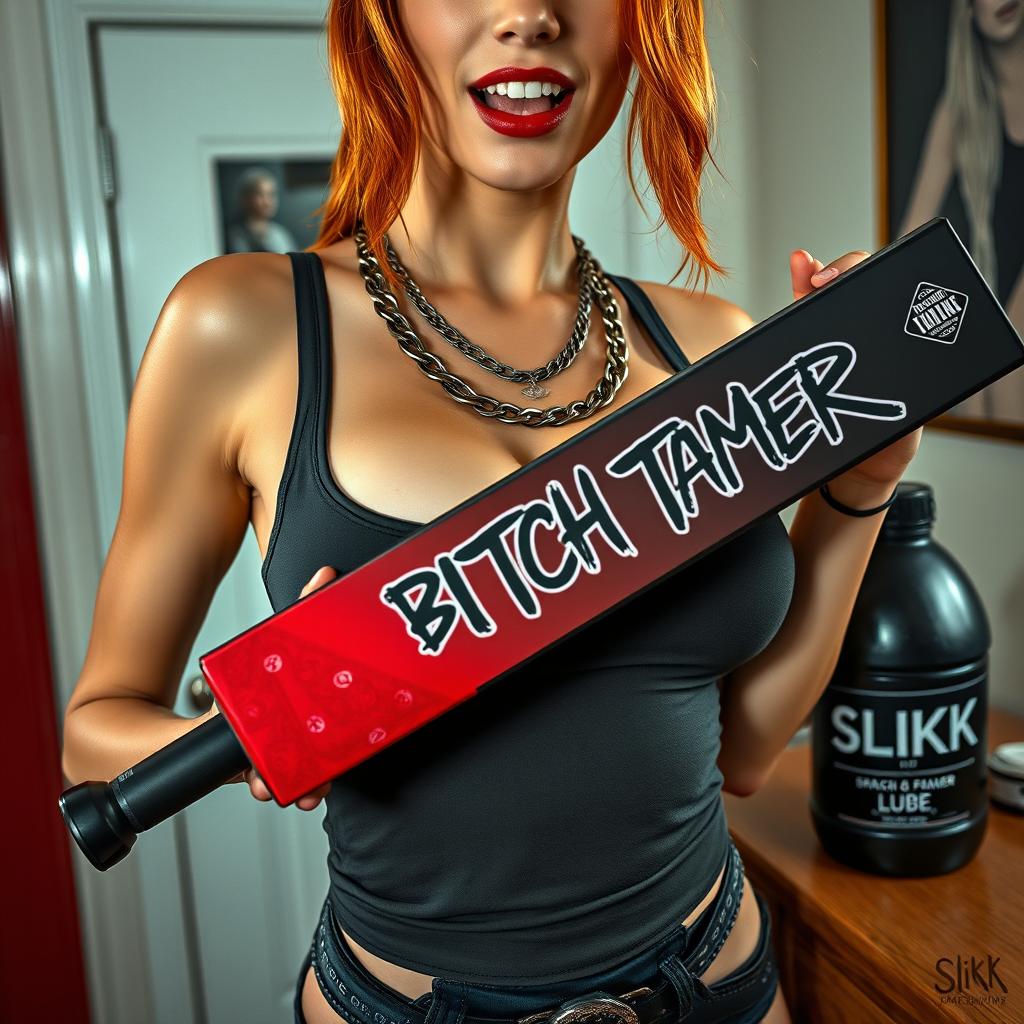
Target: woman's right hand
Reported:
[(257, 786)]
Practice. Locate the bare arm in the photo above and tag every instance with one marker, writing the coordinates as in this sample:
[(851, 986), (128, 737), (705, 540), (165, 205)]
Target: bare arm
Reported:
[(934, 170), (183, 515), (765, 699)]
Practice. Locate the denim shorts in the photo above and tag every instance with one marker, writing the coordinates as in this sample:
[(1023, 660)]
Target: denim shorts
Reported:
[(664, 977)]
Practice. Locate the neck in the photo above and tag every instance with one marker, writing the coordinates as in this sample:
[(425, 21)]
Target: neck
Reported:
[(508, 247), (1008, 60)]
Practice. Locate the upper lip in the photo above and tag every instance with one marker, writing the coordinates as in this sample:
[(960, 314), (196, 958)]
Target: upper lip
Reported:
[(511, 74)]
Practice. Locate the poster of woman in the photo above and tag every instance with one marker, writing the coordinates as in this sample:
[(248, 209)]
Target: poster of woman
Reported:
[(268, 204), (952, 145)]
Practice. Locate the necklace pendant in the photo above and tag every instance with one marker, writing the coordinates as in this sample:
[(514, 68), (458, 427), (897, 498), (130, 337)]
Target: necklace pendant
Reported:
[(534, 390)]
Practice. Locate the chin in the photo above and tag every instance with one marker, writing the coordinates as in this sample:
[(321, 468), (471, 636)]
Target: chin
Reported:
[(1000, 32), (518, 169)]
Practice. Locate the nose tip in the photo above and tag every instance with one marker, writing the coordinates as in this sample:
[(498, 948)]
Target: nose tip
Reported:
[(529, 28)]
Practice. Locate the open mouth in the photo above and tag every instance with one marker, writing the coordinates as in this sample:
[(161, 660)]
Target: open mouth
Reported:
[(521, 107)]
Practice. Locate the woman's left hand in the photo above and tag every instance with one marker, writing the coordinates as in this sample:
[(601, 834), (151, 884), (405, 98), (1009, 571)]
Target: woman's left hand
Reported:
[(878, 474)]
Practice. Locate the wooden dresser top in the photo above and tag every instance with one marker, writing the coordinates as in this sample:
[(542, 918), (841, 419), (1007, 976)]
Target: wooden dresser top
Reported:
[(892, 931)]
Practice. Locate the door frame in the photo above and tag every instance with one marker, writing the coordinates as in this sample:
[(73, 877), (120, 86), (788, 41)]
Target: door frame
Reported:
[(38, 890), (77, 382)]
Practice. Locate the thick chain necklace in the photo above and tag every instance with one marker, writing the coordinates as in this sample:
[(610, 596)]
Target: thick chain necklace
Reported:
[(458, 340), (616, 363)]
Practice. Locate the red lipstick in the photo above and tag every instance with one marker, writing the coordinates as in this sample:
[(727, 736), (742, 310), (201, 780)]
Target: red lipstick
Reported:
[(523, 125)]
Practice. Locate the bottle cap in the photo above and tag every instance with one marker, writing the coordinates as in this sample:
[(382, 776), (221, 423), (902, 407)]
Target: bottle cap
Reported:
[(913, 508)]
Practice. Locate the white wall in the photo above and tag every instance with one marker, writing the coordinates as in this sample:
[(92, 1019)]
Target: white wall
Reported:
[(797, 141)]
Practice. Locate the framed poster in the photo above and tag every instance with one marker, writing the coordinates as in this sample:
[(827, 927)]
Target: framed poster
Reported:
[(951, 144), (267, 204)]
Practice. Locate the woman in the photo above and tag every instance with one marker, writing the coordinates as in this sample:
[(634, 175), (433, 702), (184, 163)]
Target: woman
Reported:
[(555, 848), (972, 167), (256, 230)]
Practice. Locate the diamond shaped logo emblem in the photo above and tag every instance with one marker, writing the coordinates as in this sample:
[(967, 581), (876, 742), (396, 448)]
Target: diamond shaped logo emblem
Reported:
[(936, 313)]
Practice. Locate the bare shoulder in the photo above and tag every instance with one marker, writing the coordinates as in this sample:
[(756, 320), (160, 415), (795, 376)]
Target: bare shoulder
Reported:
[(220, 334), (699, 321), (232, 303), (225, 321)]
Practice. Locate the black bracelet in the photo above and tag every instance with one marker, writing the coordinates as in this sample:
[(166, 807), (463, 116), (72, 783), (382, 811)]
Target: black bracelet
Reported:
[(840, 507)]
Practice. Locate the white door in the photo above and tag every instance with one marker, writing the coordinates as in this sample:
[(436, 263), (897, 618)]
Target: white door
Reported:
[(176, 99)]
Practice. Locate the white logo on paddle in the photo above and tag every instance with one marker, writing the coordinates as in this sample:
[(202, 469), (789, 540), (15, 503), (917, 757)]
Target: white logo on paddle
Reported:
[(936, 313)]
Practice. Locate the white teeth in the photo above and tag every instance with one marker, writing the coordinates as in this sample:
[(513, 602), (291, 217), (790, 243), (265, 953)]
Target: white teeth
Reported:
[(525, 90)]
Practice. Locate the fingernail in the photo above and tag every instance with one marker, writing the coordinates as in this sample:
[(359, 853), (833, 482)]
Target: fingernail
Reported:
[(825, 274)]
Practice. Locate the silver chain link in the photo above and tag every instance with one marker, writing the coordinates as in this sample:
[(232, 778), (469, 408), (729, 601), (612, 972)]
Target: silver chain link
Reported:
[(458, 340), (616, 364)]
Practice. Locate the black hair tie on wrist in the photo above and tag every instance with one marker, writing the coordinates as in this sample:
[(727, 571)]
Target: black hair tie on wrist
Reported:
[(847, 510)]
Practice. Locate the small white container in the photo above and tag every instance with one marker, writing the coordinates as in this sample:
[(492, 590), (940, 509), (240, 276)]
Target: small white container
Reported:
[(1006, 775)]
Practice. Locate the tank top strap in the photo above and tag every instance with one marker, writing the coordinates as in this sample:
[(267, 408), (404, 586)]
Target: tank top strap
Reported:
[(643, 309), (310, 311), (313, 333)]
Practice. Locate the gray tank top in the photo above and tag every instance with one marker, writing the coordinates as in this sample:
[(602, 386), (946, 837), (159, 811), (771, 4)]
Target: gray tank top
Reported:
[(569, 817)]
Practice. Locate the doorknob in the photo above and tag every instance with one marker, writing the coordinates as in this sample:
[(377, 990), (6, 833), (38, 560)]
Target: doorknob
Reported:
[(200, 693)]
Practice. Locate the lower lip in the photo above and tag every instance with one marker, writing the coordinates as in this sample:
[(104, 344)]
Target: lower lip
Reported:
[(523, 126), (1008, 12)]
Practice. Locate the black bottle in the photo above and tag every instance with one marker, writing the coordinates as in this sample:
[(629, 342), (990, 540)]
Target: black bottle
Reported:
[(899, 734)]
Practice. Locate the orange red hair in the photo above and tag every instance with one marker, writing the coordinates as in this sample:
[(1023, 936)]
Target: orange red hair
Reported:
[(376, 84)]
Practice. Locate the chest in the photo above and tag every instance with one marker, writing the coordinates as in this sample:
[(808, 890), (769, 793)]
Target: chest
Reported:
[(392, 442), (362, 473)]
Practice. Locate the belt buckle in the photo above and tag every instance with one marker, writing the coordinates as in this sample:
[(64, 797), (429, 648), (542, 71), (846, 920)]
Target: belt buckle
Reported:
[(598, 1008)]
